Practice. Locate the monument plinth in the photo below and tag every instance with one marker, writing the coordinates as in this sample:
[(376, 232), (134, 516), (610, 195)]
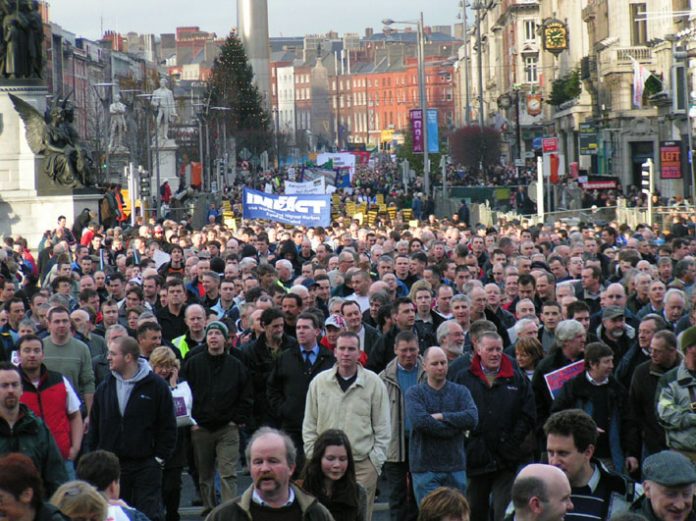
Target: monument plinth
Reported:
[(165, 157), (30, 201)]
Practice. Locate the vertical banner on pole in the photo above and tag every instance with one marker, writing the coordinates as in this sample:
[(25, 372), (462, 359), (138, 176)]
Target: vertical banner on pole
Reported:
[(416, 117), (540, 188), (433, 137)]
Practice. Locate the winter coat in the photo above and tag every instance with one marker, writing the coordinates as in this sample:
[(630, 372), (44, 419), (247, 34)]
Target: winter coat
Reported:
[(506, 413), (397, 412), (238, 508), (577, 394), (288, 384)]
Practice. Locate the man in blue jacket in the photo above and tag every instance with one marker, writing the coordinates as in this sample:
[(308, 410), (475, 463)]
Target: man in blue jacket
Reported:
[(440, 413), (133, 417)]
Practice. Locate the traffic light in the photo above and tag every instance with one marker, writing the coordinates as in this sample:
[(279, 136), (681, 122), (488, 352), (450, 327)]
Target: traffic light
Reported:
[(647, 178)]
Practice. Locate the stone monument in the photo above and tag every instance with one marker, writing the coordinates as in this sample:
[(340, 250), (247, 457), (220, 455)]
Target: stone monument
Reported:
[(163, 105), (45, 171), (119, 154)]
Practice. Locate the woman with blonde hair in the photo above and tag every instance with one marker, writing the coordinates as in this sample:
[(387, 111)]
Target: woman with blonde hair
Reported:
[(528, 352), (165, 364), (80, 501)]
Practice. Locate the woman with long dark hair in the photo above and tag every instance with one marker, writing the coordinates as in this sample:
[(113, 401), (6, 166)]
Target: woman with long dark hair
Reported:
[(330, 476)]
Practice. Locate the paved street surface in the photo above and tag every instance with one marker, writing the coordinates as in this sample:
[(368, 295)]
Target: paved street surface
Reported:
[(193, 513)]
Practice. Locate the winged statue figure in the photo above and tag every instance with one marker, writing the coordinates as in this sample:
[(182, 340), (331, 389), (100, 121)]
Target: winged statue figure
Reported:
[(65, 160)]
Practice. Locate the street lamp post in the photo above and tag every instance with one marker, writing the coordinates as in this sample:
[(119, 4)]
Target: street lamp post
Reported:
[(223, 149), (105, 111), (420, 54), (467, 67)]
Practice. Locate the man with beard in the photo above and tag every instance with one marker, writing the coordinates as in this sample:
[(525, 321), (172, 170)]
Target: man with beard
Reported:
[(615, 333), (271, 458), (21, 431), (451, 338)]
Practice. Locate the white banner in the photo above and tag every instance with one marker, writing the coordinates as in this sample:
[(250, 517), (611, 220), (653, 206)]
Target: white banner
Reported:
[(340, 160), (308, 187)]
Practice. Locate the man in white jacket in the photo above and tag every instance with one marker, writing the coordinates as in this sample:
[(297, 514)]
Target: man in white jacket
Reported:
[(353, 399)]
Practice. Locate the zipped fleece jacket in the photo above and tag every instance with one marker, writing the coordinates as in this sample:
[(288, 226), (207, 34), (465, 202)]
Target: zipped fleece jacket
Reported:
[(48, 401), (147, 427)]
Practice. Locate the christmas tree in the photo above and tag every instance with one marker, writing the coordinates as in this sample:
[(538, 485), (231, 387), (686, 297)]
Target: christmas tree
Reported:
[(231, 85)]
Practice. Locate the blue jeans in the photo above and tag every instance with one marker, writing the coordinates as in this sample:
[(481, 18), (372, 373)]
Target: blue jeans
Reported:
[(70, 469), (426, 482)]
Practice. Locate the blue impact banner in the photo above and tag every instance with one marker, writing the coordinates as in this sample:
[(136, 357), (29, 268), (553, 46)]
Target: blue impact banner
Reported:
[(297, 210), (433, 134)]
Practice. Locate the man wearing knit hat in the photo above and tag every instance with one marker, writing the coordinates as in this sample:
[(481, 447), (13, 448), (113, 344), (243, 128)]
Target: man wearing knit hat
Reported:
[(676, 399), (222, 402), (668, 485)]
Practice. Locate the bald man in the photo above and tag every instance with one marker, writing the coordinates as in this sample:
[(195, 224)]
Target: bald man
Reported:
[(440, 413), (84, 331), (541, 493)]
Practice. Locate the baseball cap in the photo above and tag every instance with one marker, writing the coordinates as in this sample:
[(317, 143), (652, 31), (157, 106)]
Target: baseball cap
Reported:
[(336, 321)]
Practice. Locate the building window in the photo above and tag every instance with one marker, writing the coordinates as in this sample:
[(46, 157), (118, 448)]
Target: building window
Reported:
[(529, 30), (639, 27), (530, 69)]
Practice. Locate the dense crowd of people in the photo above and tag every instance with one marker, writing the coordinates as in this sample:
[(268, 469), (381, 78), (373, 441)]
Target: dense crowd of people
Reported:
[(509, 372)]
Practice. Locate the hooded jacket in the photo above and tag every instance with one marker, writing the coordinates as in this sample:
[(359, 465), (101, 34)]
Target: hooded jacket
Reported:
[(133, 418)]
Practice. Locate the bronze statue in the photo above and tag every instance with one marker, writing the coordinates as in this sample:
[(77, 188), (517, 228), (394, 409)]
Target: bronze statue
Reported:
[(65, 160), (21, 34)]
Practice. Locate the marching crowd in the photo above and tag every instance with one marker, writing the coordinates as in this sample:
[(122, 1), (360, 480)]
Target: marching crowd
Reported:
[(491, 373)]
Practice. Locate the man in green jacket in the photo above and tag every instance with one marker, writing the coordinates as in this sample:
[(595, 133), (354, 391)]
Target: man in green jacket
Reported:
[(21, 431), (676, 399), (271, 460)]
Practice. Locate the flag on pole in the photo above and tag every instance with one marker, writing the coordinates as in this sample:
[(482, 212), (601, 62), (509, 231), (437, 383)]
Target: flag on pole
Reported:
[(640, 76)]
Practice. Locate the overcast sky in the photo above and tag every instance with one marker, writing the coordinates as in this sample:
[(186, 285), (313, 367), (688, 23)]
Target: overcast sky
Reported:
[(286, 17)]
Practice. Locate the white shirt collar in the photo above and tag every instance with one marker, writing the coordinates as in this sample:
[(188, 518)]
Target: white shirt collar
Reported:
[(595, 382), (256, 498)]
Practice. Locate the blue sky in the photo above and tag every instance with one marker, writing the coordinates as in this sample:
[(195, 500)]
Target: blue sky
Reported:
[(286, 17)]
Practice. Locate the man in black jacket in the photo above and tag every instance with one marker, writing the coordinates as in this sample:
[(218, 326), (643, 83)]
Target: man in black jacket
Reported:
[(292, 372), (501, 441), (222, 403), (405, 319), (133, 417), (260, 356), (597, 392), (664, 356)]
